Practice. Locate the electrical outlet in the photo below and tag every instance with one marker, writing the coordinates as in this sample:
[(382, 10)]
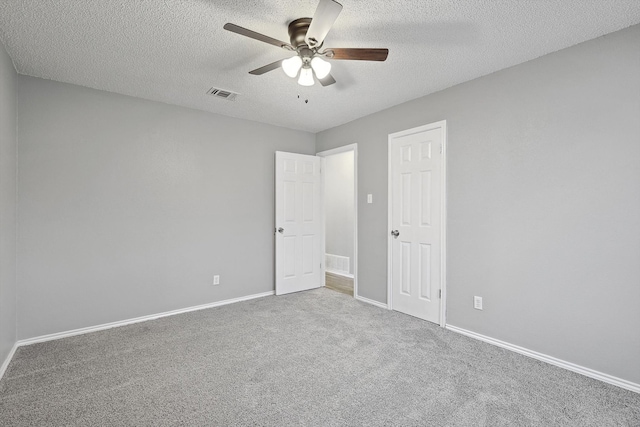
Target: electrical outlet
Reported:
[(369, 198), (216, 280), (477, 303)]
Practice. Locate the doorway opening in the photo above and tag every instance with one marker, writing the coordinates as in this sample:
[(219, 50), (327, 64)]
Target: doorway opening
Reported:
[(341, 218)]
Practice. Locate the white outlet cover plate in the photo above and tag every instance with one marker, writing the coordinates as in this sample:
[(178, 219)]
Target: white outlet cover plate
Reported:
[(477, 303)]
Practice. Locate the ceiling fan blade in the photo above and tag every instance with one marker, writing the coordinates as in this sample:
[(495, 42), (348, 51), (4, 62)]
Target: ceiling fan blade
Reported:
[(266, 68), (257, 36), (358, 54), (326, 14), (328, 80)]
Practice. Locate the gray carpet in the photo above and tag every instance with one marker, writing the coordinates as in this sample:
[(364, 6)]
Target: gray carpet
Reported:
[(317, 358)]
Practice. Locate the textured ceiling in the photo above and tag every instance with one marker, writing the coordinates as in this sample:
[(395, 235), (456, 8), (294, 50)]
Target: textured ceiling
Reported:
[(175, 50)]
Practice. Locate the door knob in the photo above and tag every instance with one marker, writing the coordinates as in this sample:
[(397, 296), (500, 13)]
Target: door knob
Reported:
[(395, 233), (280, 230)]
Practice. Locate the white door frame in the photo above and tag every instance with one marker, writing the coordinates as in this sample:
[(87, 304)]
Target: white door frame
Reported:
[(443, 199), (345, 149)]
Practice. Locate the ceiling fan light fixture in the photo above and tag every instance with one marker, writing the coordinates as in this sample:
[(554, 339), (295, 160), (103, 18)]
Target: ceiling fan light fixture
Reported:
[(306, 77), (307, 36), (291, 66), (321, 67)]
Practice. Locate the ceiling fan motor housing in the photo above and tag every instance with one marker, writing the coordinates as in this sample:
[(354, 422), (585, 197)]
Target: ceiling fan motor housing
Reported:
[(298, 30)]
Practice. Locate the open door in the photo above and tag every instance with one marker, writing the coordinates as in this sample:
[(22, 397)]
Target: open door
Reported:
[(299, 225)]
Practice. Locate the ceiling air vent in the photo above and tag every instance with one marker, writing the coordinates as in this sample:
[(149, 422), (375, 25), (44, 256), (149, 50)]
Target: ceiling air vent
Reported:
[(221, 93)]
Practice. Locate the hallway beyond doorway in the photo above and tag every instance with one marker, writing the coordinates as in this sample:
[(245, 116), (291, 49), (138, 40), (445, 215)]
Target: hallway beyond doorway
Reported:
[(339, 283)]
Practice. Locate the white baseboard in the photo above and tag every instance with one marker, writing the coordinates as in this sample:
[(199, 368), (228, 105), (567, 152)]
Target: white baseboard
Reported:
[(59, 335), (5, 364), (610, 379), (339, 273), (372, 302)]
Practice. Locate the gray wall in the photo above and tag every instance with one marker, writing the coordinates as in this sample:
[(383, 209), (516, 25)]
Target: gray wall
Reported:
[(338, 204), (8, 139), (543, 201), (129, 207)]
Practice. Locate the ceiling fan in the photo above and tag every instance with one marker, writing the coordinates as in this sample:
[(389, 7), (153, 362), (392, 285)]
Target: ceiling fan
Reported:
[(307, 37)]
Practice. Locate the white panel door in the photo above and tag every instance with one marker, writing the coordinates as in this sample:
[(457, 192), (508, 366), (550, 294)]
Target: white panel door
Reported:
[(299, 224), (415, 184)]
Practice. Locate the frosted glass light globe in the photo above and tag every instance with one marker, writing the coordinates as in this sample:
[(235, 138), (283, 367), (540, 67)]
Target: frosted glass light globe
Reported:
[(306, 77), (291, 66), (321, 67)]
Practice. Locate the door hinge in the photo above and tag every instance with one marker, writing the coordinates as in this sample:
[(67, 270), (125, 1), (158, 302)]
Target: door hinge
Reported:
[(440, 148), (440, 293)]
